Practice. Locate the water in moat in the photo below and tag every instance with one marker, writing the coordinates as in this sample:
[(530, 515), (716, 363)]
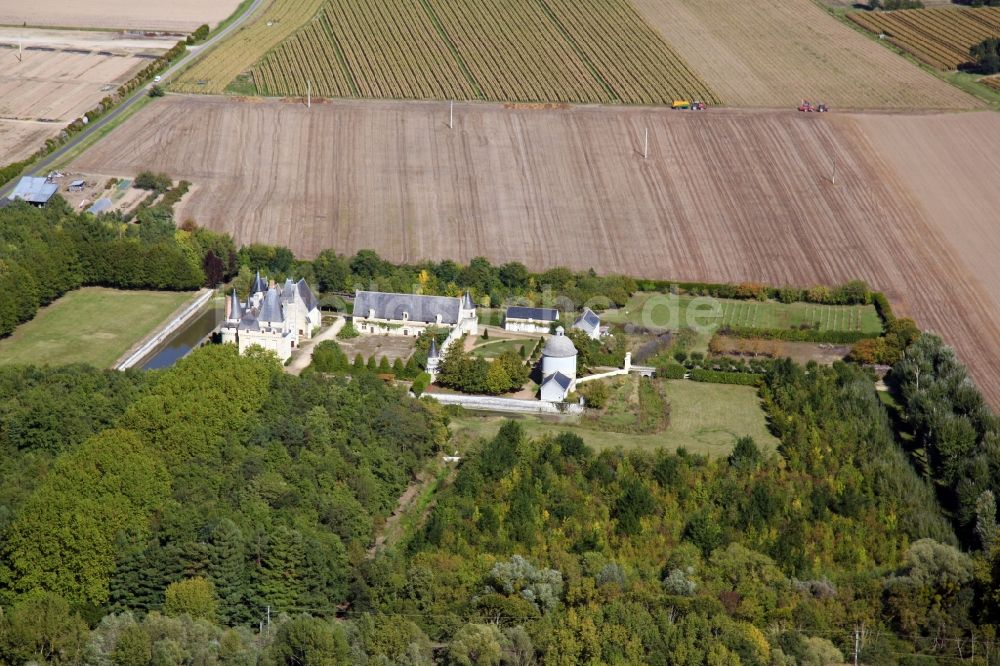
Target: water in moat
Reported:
[(196, 332)]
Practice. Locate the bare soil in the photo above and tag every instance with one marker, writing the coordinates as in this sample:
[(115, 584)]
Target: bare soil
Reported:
[(725, 195), (389, 346), (771, 53), (176, 15), (48, 89)]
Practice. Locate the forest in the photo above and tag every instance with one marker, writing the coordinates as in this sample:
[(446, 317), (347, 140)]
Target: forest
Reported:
[(222, 512), (225, 512)]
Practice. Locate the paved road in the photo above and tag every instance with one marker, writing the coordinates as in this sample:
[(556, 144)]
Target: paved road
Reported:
[(45, 165)]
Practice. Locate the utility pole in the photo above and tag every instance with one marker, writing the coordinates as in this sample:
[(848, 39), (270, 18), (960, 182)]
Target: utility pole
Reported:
[(451, 115), (833, 172), (309, 94), (857, 645), (645, 145), (268, 620), (20, 53)]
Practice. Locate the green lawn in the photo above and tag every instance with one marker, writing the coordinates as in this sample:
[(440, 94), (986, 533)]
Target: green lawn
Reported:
[(91, 325), (655, 310), (704, 418), (495, 348)]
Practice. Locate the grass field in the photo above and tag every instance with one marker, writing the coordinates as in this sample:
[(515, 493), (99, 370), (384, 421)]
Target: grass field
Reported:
[(237, 53), (497, 50), (91, 325), (940, 37), (494, 348), (704, 418), (655, 310)]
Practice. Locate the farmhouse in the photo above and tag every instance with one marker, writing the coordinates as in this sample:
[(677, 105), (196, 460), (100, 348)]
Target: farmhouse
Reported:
[(272, 318), (589, 323), (530, 320), (558, 367), (36, 191), (380, 313)]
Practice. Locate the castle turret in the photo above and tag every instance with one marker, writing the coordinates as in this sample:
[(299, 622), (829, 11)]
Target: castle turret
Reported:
[(433, 360), (234, 311)]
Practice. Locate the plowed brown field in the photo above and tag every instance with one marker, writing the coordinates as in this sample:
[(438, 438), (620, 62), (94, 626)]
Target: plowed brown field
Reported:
[(770, 53), (180, 15), (724, 195), (48, 89)]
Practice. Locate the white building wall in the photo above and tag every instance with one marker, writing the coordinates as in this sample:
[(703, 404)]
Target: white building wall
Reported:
[(552, 365), (526, 326)]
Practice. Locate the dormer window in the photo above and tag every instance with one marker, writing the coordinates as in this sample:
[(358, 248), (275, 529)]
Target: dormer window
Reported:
[(371, 313), (406, 316)]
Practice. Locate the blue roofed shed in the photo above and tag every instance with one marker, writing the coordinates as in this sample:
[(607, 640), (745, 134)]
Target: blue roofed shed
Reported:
[(36, 191)]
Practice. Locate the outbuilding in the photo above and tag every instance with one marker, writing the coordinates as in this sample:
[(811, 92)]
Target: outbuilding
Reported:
[(530, 320), (35, 190)]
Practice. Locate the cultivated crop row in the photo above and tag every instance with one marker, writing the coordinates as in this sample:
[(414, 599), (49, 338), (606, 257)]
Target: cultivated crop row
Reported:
[(236, 54), (940, 36), (633, 60), (498, 50)]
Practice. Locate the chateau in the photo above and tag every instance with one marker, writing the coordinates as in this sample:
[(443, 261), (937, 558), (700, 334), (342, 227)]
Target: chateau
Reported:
[(272, 318)]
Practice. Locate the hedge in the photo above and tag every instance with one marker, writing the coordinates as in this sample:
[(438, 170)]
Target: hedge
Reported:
[(671, 371), (883, 307), (795, 334), (719, 377)]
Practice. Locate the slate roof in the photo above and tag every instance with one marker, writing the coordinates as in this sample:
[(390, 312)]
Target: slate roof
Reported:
[(248, 323), (588, 321), (467, 303), (559, 378), (307, 295), (270, 309), (559, 346), (34, 190), (235, 309), (538, 314), (258, 285), (419, 308), (288, 291)]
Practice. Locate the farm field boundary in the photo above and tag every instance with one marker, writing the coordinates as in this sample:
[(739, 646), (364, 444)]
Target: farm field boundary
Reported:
[(214, 72), (725, 196)]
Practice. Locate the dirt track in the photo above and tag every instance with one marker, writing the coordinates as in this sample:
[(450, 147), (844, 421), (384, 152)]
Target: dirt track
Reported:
[(724, 195)]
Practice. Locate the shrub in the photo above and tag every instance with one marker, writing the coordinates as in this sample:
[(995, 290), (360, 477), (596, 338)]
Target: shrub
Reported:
[(421, 383), (721, 377), (595, 393), (147, 180), (671, 371), (348, 332), (156, 91)]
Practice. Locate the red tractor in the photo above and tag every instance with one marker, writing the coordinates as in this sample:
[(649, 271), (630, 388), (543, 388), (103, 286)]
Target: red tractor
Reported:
[(806, 106)]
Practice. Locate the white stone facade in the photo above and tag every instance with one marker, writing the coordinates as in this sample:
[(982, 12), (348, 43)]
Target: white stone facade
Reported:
[(275, 319)]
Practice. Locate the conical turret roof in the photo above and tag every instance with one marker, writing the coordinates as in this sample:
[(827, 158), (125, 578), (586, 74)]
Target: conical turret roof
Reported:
[(270, 309), (235, 309), (259, 285)]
